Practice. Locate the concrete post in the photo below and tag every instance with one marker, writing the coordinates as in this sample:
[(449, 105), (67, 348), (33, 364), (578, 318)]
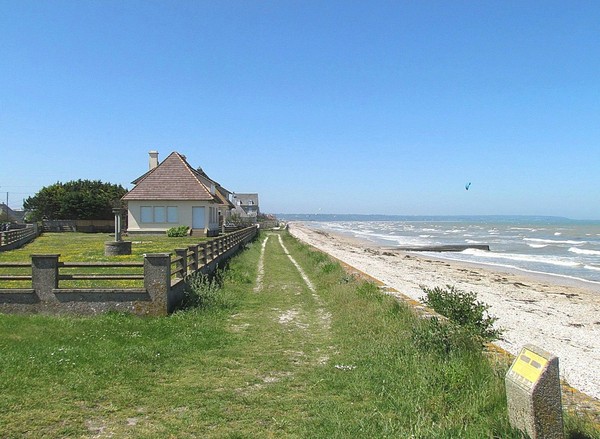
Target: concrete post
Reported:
[(182, 253), (533, 394), (210, 250), (202, 255), (117, 247), (44, 276), (195, 256), (117, 213), (157, 279)]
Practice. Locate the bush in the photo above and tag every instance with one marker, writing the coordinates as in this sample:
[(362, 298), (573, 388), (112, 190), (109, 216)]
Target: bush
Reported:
[(463, 309), (177, 232), (202, 291)]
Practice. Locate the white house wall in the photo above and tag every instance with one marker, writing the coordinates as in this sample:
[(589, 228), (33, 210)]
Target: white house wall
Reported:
[(184, 215)]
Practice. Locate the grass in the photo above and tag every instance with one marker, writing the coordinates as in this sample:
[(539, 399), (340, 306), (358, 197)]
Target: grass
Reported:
[(282, 361), (89, 247)]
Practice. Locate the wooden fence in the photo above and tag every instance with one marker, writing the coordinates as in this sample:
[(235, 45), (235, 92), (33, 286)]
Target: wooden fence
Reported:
[(156, 286)]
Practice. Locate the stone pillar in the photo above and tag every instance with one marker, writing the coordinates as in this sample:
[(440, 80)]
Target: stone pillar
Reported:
[(157, 279), (117, 211), (117, 247), (44, 276), (533, 394)]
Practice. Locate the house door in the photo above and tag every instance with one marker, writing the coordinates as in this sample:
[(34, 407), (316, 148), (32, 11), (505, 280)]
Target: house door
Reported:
[(198, 218)]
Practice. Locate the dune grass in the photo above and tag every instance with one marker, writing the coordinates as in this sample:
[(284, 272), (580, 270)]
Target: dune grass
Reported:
[(278, 361)]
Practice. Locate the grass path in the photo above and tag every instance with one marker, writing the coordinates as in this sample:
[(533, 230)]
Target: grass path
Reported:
[(287, 334)]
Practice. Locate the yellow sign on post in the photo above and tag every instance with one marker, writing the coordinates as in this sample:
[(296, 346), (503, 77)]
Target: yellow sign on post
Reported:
[(533, 394), (528, 366)]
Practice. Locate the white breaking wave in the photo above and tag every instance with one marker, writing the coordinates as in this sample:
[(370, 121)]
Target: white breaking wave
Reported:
[(583, 251), (554, 241), (520, 257), (537, 245)]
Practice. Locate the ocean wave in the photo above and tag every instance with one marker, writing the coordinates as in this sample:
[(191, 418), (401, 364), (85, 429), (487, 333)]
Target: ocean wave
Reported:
[(583, 251), (515, 267), (554, 241), (538, 259), (537, 245), (592, 267)]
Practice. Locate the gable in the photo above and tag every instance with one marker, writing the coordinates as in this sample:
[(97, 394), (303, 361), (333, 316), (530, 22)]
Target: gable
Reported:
[(173, 179)]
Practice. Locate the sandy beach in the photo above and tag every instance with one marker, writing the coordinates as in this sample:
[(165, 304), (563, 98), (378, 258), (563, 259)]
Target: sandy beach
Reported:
[(563, 319)]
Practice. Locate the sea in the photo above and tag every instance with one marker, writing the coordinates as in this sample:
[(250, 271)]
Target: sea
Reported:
[(561, 247)]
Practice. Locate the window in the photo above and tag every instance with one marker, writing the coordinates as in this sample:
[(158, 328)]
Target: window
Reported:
[(146, 214), (172, 214), (159, 214)]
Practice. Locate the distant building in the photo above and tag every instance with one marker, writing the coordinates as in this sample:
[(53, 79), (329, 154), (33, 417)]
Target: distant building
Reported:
[(246, 206), (173, 193), (9, 215)]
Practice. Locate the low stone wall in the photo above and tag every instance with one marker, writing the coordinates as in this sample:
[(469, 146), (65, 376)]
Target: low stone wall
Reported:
[(163, 281), (19, 237), (85, 226)]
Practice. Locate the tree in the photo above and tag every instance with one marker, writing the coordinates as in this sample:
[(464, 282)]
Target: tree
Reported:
[(81, 199)]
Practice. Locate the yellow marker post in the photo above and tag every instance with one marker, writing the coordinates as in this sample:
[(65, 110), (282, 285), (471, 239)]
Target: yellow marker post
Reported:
[(533, 394)]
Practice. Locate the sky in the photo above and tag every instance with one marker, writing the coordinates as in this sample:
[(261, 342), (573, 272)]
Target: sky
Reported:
[(365, 107)]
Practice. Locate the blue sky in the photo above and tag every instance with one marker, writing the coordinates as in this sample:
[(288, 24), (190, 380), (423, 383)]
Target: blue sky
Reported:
[(385, 107)]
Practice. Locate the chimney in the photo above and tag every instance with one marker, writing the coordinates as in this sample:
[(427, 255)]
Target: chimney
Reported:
[(153, 159)]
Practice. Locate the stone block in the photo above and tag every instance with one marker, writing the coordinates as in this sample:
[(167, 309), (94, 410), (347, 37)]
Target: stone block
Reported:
[(533, 394)]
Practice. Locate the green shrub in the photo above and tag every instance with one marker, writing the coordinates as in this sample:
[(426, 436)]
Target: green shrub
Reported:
[(202, 291), (177, 232), (464, 309)]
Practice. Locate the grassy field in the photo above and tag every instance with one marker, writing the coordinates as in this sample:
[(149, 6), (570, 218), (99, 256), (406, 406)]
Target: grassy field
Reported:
[(267, 357), (89, 247)]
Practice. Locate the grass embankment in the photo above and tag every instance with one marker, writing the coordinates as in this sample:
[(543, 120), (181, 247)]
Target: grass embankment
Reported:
[(266, 359)]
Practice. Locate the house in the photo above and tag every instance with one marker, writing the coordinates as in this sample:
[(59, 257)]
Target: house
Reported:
[(246, 206), (172, 193), (9, 215)]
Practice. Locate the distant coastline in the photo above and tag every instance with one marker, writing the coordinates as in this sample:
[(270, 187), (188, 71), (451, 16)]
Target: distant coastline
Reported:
[(474, 218)]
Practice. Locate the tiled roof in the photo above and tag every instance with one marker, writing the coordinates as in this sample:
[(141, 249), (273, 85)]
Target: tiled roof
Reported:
[(173, 179)]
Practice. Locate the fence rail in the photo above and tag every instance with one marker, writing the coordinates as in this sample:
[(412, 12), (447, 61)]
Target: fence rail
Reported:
[(12, 239), (160, 278)]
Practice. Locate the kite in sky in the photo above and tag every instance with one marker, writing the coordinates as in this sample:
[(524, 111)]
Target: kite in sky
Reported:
[(468, 185)]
